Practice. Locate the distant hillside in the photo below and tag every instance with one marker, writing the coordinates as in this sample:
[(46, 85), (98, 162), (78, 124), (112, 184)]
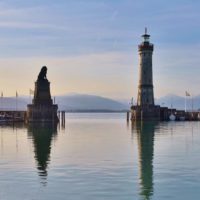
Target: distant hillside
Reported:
[(10, 103), (88, 102), (84, 102), (72, 102), (179, 102)]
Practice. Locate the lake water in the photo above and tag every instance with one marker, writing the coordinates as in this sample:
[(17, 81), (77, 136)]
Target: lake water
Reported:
[(100, 157)]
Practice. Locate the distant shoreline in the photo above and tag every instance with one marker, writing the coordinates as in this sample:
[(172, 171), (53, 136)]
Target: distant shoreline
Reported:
[(96, 111), (76, 111)]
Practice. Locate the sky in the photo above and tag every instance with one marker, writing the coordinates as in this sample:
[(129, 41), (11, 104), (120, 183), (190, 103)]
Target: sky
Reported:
[(90, 46)]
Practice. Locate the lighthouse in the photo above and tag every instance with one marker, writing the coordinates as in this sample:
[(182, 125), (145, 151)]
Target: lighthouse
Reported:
[(145, 87), (145, 109)]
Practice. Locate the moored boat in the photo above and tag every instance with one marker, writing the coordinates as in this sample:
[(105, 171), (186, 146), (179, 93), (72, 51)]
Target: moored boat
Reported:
[(172, 117)]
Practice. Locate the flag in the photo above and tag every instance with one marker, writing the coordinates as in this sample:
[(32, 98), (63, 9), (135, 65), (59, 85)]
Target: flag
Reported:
[(132, 101), (187, 94), (31, 91), (16, 94)]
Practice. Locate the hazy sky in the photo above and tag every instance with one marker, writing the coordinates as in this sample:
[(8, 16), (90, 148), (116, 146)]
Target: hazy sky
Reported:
[(90, 46)]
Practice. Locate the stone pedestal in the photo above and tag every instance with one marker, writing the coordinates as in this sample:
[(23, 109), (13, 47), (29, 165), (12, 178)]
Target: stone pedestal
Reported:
[(42, 108), (145, 113), (42, 95)]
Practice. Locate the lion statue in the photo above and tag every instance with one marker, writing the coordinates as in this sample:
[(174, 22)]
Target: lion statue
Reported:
[(43, 74)]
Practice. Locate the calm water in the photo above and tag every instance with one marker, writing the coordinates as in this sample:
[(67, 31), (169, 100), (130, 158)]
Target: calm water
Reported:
[(100, 157)]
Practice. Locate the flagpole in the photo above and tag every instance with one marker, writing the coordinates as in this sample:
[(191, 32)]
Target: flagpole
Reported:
[(31, 92), (187, 94), (185, 104), (16, 100), (192, 103), (30, 95), (1, 101)]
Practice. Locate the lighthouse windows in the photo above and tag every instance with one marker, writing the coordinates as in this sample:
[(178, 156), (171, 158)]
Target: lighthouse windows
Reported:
[(146, 54)]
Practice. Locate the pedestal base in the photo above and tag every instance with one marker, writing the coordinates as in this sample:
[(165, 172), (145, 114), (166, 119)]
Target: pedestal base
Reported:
[(149, 113), (42, 113)]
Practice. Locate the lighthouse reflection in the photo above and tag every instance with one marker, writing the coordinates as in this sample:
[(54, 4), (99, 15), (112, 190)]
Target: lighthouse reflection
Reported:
[(42, 135), (145, 138)]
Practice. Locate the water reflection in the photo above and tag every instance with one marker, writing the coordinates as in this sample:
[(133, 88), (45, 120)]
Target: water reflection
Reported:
[(145, 137), (5, 128), (42, 135)]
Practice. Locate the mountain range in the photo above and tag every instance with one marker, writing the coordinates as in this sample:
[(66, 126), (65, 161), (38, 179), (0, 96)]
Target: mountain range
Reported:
[(178, 102), (71, 102), (85, 102)]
